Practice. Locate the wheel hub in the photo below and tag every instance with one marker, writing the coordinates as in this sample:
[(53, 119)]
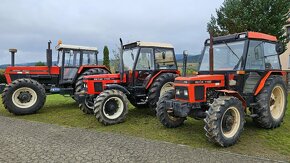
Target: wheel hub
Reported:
[(24, 97), (228, 122), (111, 107)]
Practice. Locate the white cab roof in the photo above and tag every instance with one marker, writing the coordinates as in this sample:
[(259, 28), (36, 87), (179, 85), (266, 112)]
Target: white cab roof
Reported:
[(75, 47), (152, 44)]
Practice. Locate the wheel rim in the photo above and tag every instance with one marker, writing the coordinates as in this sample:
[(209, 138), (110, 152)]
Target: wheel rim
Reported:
[(277, 102), (166, 87), (24, 97), (89, 102), (113, 107), (230, 122)]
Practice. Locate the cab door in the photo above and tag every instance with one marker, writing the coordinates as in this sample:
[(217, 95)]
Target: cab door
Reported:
[(70, 65), (144, 66)]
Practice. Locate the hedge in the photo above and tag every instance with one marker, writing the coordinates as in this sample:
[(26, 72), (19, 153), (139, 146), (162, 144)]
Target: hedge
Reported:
[(2, 77)]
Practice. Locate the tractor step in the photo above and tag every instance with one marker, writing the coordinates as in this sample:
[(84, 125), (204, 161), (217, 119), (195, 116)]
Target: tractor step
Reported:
[(253, 104), (62, 91)]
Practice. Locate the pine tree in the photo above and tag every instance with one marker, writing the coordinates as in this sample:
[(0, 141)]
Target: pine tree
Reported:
[(267, 16), (106, 60)]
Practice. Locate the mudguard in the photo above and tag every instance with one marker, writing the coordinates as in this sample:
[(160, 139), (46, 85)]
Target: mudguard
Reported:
[(117, 87)]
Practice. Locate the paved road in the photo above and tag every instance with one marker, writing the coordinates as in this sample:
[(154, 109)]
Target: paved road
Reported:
[(24, 141)]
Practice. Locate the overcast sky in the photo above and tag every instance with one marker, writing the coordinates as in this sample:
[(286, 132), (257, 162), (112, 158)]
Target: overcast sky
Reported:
[(28, 25)]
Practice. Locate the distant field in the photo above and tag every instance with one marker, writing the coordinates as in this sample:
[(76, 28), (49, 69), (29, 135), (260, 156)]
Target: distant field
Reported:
[(274, 144)]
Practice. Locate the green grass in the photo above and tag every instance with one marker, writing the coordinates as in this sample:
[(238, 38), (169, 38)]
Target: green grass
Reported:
[(274, 144)]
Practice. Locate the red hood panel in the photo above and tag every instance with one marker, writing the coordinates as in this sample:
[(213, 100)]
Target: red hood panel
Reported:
[(102, 76), (201, 77)]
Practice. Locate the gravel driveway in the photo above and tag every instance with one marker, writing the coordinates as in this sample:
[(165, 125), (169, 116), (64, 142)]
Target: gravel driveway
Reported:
[(25, 141)]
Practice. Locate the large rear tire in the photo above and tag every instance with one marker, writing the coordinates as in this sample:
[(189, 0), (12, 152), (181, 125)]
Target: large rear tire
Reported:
[(166, 115), (161, 85), (111, 107), (24, 96), (224, 121), (88, 105), (272, 103)]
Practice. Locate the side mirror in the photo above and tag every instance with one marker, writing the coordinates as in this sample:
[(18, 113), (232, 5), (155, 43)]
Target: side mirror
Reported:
[(279, 48), (163, 55)]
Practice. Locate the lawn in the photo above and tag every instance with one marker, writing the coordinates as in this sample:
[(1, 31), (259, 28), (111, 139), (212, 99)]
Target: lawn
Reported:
[(274, 144)]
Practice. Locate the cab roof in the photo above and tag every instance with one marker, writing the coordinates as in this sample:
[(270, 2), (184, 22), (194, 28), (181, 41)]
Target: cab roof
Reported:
[(243, 35), (147, 44), (75, 47)]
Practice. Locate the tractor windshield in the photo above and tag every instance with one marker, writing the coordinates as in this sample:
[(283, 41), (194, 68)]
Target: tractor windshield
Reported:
[(129, 57), (227, 56)]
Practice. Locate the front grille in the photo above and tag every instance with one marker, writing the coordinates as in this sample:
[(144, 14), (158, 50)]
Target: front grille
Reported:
[(199, 92), (98, 86), (181, 94)]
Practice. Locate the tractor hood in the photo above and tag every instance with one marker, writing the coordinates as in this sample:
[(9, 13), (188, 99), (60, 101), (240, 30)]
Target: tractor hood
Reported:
[(200, 79), (103, 77)]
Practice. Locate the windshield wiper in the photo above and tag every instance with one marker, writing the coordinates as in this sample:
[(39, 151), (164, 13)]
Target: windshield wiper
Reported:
[(231, 50)]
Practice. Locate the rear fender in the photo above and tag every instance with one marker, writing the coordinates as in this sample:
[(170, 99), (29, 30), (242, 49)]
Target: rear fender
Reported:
[(84, 68), (264, 79), (160, 72), (235, 94)]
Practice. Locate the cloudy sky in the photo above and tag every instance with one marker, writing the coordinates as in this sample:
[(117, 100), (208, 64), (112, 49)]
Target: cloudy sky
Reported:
[(28, 25)]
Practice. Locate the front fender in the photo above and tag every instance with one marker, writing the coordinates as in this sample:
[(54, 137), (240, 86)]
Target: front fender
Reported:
[(117, 87)]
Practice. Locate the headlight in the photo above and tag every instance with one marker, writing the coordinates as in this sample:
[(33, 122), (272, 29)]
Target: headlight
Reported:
[(185, 92), (177, 91), (85, 85)]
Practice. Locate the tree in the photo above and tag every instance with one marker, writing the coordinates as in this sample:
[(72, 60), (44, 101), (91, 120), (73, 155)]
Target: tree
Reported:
[(39, 63), (267, 16), (106, 60)]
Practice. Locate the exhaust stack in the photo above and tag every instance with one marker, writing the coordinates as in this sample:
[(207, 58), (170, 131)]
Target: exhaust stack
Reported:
[(49, 55), (185, 54), (121, 61), (211, 54), (13, 51)]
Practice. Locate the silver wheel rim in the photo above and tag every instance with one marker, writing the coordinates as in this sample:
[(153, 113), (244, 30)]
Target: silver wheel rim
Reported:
[(166, 87), (16, 97), (236, 120), (119, 110), (277, 102)]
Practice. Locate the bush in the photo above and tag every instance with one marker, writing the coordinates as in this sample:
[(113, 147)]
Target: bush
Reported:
[(2, 77)]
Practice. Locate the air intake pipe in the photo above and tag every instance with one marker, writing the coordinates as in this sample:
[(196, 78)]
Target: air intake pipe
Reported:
[(13, 51), (49, 55)]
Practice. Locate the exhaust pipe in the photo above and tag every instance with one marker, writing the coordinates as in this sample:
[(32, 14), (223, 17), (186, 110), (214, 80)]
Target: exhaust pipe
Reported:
[(121, 61), (49, 55), (13, 51), (185, 54), (211, 54)]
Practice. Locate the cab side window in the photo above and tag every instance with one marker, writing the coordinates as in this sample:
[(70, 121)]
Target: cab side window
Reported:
[(164, 59), (255, 59), (144, 61), (271, 56)]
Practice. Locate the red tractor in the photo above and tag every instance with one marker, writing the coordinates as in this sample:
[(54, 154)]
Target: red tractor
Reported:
[(28, 86), (240, 75), (147, 70)]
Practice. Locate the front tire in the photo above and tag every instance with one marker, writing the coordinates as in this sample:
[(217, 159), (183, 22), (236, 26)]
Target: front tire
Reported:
[(111, 107), (272, 103), (24, 96), (166, 115), (160, 86), (87, 106), (224, 121)]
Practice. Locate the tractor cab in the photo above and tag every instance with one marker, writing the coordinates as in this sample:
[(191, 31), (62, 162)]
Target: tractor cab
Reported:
[(239, 75), (142, 60), (147, 70), (71, 58)]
